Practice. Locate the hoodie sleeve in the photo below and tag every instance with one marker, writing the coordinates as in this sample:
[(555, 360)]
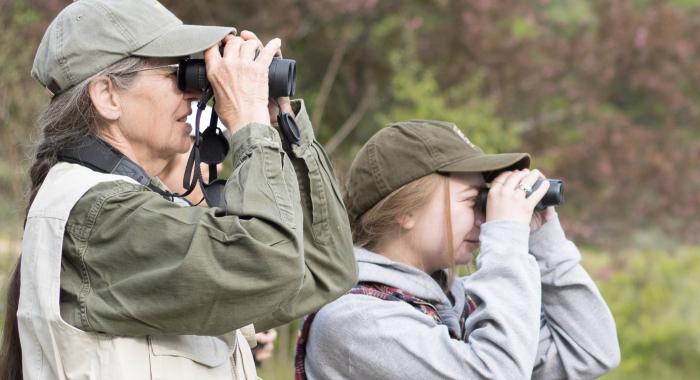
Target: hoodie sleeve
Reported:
[(361, 337), (578, 339)]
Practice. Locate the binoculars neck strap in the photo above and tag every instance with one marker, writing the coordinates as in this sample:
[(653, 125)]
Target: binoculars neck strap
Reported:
[(98, 155)]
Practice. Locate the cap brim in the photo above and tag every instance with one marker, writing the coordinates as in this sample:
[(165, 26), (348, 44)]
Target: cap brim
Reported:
[(184, 40), (488, 163)]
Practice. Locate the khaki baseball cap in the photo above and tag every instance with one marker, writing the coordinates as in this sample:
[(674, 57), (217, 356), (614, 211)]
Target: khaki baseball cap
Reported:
[(406, 151), (89, 35)]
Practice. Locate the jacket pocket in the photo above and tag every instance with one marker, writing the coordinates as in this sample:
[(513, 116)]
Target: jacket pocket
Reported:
[(190, 357)]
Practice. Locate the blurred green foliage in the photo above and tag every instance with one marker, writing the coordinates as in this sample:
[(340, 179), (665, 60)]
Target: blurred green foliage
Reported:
[(653, 297), (604, 94)]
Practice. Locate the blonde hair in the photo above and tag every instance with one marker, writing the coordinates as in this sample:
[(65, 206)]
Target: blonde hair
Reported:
[(378, 223)]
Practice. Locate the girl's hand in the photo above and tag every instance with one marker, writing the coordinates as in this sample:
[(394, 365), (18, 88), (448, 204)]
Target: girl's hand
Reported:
[(507, 198), (541, 217)]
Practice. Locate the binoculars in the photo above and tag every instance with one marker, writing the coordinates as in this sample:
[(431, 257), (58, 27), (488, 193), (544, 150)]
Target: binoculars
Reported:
[(192, 75), (553, 197)]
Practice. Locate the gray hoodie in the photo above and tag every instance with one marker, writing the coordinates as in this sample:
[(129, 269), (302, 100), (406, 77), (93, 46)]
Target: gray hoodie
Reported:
[(539, 316)]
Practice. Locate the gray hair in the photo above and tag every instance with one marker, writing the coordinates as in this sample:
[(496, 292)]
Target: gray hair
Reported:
[(71, 115)]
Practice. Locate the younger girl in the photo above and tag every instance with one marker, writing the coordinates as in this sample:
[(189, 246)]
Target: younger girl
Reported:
[(529, 311)]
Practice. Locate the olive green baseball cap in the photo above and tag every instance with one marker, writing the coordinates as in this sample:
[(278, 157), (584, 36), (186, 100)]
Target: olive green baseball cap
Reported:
[(89, 35), (406, 151)]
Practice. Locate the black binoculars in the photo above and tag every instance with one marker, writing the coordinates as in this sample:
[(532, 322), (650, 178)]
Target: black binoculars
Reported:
[(192, 75), (553, 197)]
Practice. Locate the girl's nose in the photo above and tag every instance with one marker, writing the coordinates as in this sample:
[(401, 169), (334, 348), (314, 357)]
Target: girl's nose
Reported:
[(479, 218)]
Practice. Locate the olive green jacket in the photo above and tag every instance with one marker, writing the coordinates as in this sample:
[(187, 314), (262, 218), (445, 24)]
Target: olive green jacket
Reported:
[(137, 264)]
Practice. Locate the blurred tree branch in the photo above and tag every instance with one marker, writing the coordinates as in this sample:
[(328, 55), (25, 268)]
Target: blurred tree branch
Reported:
[(329, 77), (349, 125)]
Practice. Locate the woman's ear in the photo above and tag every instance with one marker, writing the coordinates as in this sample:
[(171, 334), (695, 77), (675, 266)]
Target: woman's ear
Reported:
[(406, 221), (104, 97)]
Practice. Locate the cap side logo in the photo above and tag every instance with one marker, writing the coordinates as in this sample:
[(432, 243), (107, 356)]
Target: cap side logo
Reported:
[(463, 137)]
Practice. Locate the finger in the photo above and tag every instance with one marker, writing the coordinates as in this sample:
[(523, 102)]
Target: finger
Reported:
[(541, 176), (285, 105), (513, 181), (224, 41), (264, 354), (227, 38), (549, 213), (249, 49), (269, 50), (233, 47), (212, 57), (500, 179), (538, 194), (270, 337), (248, 35), (529, 180)]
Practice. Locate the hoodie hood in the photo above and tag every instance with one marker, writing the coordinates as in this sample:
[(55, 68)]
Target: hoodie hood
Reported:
[(374, 267)]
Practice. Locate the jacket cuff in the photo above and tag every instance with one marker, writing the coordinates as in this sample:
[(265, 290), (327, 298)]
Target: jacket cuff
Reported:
[(306, 131), (250, 136)]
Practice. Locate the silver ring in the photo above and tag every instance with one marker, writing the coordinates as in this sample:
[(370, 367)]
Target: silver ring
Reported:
[(527, 189)]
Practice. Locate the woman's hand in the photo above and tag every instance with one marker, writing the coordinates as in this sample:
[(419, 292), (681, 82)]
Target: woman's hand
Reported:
[(240, 79), (284, 102), (507, 199)]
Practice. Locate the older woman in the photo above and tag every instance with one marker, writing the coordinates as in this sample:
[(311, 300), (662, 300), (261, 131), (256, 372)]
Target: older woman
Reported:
[(119, 282)]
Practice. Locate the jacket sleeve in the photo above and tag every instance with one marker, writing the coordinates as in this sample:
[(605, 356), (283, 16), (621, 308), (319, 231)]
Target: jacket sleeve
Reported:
[(391, 340), (136, 264), (329, 262), (578, 339)]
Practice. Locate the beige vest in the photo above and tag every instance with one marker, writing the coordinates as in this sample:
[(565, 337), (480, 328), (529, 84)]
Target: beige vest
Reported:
[(53, 349)]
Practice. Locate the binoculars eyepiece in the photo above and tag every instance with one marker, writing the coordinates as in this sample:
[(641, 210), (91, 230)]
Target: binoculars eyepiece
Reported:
[(553, 197), (192, 75)]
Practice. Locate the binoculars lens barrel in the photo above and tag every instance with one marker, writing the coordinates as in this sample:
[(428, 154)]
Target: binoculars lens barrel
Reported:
[(553, 197), (282, 77), (192, 75)]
